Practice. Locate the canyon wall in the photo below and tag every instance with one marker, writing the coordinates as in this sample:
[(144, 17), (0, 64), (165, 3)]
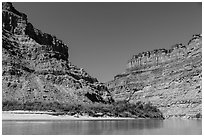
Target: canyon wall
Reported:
[(36, 66), (170, 79), (159, 56), (17, 24)]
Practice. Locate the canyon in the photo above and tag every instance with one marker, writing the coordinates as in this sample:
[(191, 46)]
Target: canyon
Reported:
[(36, 68)]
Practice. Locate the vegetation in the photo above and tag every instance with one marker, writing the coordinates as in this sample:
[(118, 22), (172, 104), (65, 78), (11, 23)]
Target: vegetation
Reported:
[(117, 109), (199, 115)]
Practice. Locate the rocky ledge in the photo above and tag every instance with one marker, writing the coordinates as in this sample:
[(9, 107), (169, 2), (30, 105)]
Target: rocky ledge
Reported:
[(170, 79)]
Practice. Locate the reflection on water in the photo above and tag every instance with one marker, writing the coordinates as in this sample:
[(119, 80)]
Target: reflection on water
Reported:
[(94, 127)]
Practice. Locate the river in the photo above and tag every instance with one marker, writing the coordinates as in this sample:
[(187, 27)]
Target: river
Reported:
[(103, 127)]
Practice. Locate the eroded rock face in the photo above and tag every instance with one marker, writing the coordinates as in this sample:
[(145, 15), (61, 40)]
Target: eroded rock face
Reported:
[(170, 79), (36, 66), (159, 56)]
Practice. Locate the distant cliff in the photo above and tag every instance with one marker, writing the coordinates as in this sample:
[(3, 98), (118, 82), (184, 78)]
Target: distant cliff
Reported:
[(170, 79), (159, 56)]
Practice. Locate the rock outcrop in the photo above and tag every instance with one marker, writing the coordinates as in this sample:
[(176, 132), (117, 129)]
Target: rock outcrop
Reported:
[(170, 79), (36, 66), (159, 56)]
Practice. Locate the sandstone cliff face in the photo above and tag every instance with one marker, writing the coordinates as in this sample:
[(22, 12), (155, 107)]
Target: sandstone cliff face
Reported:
[(36, 66), (170, 79)]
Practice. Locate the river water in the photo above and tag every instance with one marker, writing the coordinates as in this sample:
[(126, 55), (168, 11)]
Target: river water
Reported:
[(104, 127)]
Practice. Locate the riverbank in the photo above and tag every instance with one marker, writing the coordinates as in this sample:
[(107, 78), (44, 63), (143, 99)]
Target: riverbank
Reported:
[(45, 115)]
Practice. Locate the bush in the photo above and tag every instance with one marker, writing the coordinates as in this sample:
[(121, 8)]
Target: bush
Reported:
[(199, 115)]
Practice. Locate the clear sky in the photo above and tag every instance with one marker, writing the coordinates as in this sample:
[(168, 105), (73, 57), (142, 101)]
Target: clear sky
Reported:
[(102, 37)]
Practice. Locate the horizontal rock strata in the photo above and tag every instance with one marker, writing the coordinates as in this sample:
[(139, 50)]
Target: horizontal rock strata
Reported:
[(170, 79), (36, 66)]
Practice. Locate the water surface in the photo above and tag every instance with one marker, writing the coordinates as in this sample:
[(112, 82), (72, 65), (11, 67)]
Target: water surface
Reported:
[(105, 127)]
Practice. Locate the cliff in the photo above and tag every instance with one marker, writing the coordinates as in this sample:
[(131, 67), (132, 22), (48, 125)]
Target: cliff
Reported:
[(36, 66), (170, 79), (159, 56), (16, 23)]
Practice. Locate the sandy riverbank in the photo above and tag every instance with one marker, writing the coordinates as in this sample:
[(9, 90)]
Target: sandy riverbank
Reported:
[(43, 115)]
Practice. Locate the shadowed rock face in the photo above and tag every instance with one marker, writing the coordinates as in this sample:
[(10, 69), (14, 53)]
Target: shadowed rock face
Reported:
[(16, 23), (36, 66), (170, 79)]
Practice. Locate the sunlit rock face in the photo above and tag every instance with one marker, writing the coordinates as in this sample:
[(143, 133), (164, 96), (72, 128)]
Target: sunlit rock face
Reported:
[(36, 66), (170, 79)]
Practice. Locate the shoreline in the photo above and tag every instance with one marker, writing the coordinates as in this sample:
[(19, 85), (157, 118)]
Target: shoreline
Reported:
[(45, 115), (21, 115)]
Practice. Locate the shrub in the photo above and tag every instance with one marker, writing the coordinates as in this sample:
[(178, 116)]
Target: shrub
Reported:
[(199, 115)]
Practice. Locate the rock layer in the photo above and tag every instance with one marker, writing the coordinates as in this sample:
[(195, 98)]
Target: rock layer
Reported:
[(170, 79), (36, 66)]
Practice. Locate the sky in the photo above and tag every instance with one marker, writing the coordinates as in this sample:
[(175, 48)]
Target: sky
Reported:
[(103, 36)]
